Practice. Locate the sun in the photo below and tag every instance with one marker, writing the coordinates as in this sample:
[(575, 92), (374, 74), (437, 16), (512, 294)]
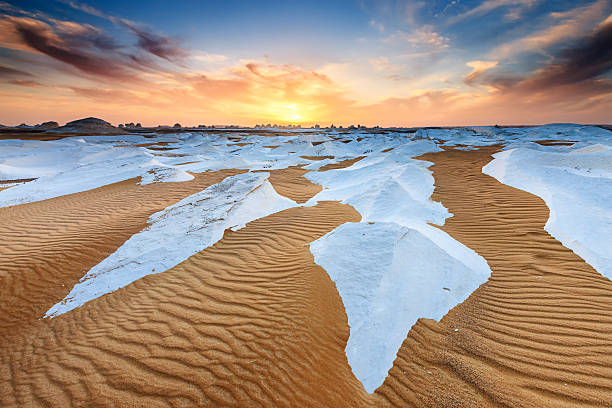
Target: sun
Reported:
[(289, 113)]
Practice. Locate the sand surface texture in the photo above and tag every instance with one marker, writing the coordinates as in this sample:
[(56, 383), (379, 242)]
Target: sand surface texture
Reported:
[(253, 321), (536, 335), (48, 245)]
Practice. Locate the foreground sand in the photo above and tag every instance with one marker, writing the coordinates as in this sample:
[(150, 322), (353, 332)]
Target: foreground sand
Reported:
[(536, 335), (252, 321), (49, 245)]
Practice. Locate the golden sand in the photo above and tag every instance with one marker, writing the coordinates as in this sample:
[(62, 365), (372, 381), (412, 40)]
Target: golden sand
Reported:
[(537, 334), (47, 246), (252, 321)]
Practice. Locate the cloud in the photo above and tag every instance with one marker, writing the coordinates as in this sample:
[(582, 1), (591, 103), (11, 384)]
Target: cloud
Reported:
[(490, 5), (211, 58), (39, 36), (423, 37), (157, 44), (117, 96), (383, 64), (258, 91), (84, 35), (9, 8), (7, 71), (86, 47), (588, 58), (456, 108), (117, 78), (570, 24), (252, 90), (478, 68), (23, 82), (575, 71), (221, 89), (514, 14)]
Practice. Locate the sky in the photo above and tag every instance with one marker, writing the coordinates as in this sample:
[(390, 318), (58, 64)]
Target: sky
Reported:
[(368, 62)]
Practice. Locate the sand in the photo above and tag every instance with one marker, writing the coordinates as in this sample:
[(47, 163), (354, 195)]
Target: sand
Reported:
[(536, 335), (341, 164), (16, 181), (252, 321), (291, 183), (49, 245)]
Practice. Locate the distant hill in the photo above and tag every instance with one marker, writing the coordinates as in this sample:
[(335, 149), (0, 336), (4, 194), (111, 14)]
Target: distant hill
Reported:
[(47, 125), (89, 125)]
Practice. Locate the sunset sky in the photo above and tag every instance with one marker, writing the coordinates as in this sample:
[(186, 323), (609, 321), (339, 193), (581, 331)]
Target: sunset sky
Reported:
[(388, 63)]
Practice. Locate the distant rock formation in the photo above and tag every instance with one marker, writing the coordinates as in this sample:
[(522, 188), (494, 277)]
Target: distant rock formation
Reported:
[(177, 125), (47, 125), (88, 122), (89, 125)]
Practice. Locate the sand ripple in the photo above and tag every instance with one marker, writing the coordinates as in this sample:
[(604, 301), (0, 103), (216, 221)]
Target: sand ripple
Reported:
[(536, 335), (250, 321), (47, 246)]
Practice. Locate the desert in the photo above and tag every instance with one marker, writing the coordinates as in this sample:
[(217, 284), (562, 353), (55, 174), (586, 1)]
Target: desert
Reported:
[(324, 204), (465, 266)]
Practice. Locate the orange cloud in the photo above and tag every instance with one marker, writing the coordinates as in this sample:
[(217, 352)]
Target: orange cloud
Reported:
[(137, 86)]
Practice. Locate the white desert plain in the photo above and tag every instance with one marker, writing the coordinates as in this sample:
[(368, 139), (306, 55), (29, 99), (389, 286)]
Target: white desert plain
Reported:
[(367, 267), (306, 204)]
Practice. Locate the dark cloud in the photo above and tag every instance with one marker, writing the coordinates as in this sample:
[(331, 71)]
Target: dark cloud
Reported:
[(588, 59), (86, 47), (253, 68), (85, 35), (154, 43), (582, 63), (6, 71), (41, 37), (159, 45), (497, 79)]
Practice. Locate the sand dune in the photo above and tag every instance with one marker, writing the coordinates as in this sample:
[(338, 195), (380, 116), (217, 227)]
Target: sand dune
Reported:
[(536, 335)]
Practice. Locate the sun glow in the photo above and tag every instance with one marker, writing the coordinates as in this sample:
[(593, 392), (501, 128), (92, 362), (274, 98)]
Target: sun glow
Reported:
[(292, 113), (288, 113)]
